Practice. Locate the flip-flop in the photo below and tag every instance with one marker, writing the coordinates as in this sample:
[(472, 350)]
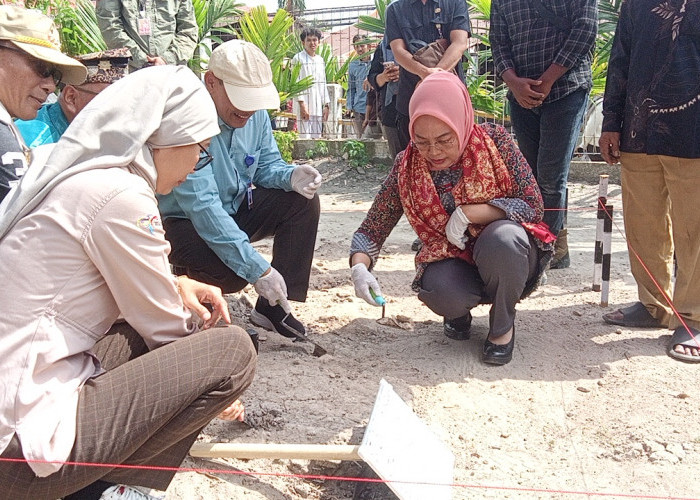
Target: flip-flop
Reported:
[(634, 316), (682, 337)]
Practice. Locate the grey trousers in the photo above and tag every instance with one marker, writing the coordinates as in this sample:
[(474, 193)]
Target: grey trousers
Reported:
[(391, 134), (506, 260), (146, 410)]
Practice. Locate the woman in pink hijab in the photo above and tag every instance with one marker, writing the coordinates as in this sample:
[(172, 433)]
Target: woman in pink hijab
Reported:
[(471, 197)]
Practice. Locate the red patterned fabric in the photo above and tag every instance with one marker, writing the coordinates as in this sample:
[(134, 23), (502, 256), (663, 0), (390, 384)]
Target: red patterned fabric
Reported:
[(485, 177)]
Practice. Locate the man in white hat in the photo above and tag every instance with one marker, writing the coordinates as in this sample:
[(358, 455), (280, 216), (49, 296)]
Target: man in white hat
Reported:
[(31, 65), (244, 191)]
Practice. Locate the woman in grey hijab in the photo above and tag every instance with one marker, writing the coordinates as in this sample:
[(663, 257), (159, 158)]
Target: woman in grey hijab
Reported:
[(82, 245)]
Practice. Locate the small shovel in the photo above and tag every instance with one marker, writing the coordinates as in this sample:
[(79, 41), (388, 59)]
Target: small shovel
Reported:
[(300, 337)]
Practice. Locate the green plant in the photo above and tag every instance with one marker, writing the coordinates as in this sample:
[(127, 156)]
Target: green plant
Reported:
[(356, 153), (375, 24), (210, 16), (76, 22), (335, 72), (275, 38), (293, 6), (285, 143), (319, 150)]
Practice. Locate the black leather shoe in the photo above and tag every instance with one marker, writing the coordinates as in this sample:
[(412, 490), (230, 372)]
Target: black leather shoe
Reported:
[(458, 328), (495, 354)]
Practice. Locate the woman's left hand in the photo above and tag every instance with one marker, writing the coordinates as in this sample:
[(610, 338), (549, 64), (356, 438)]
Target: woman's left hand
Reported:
[(235, 411), (195, 294)]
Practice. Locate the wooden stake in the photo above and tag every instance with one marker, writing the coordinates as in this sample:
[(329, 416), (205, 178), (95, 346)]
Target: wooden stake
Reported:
[(271, 450)]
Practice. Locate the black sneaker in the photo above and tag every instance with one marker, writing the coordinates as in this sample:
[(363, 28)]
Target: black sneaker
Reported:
[(275, 319), (458, 328)]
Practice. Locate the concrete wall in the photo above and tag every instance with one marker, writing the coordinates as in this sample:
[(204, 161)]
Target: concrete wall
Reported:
[(378, 151)]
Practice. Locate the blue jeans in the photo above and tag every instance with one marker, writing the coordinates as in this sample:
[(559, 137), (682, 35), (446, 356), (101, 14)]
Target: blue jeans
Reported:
[(547, 136)]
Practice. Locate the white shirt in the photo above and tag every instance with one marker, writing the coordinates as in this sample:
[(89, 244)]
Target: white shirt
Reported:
[(317, 95)]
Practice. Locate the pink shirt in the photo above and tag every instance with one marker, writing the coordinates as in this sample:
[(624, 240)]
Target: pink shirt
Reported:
[(94, 249)]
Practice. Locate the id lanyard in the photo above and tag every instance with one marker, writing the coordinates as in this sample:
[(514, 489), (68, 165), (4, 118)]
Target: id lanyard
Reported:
[(249, 160), (144, 22)]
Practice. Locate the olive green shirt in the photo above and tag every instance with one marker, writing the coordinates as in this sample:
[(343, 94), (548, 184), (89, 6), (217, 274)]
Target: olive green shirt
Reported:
[(173, 29)]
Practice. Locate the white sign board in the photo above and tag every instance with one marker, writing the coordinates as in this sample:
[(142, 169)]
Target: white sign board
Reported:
[(402, 450)]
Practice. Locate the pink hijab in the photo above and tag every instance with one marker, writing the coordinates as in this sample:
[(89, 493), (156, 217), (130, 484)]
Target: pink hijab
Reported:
[(444, 96)]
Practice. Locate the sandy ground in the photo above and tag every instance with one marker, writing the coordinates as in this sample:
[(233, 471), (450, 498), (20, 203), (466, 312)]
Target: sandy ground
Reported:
[(583, 407)]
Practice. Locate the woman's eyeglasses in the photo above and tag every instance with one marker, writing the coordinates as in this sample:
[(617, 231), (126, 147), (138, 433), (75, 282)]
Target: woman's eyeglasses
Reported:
[(41, 68), (441, 145), (205, 158)]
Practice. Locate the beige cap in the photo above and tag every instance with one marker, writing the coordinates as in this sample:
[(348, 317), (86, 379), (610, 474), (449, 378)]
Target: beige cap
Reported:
[(246, 74), (36, 34)]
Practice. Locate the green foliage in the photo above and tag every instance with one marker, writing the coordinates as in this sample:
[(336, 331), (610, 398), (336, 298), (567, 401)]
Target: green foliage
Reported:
[(274, 37), (374, 24), (292, 5), (210, 16), (608, 14), (356, 153), (77, 24), (285, 143), (335, 72), (319, 150)]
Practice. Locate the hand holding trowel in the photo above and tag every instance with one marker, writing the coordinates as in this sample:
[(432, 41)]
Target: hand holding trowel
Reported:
[(367, 286)]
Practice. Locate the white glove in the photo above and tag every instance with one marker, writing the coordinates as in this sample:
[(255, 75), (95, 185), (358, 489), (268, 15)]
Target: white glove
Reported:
[(364, 281), (456, 227), (274, 289), (306, 180)]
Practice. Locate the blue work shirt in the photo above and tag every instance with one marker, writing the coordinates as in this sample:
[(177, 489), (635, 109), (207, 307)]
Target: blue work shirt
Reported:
[(211, 196), (48, 126), (357, 97)]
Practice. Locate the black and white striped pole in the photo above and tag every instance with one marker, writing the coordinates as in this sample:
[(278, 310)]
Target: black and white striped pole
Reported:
[(598, 252), (607, 252)]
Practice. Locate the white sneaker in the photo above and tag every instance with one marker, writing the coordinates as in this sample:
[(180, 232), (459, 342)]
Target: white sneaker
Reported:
[(126, 492)]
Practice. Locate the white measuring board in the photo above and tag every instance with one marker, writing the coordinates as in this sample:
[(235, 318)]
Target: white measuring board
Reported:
[(400, 447)]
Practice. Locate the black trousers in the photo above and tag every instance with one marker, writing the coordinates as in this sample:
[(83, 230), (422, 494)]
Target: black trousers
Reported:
[(288, 217)]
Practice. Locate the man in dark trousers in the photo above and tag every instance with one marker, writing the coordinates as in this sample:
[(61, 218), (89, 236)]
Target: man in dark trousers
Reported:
[(543, 54), (410, 22), (651, 125)]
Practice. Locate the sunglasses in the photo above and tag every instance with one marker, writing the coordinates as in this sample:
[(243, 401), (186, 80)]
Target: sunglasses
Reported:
[(41, 68), (205, 158)]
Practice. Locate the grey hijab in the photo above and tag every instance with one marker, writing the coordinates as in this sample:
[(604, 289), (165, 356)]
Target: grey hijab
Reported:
[(156, 107)]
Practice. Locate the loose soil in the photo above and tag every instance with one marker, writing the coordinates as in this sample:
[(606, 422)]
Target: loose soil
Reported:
[(584, 407)]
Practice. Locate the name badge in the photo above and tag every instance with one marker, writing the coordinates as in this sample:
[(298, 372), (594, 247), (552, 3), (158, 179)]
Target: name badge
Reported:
[(144, 25)]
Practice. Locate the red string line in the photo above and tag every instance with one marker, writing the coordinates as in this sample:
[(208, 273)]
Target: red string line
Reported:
[(342, 478)]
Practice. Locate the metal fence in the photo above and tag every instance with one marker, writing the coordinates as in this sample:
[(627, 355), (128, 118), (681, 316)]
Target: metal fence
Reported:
[(338, 27)]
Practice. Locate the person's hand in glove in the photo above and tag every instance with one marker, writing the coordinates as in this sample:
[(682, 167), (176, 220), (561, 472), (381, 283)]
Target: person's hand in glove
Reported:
[(306, 180), (364, 281), (271, 285), (456, 227)]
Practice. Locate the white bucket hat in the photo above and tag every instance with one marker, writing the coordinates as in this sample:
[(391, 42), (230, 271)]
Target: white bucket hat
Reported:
[(35, 33), (246, 73)]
